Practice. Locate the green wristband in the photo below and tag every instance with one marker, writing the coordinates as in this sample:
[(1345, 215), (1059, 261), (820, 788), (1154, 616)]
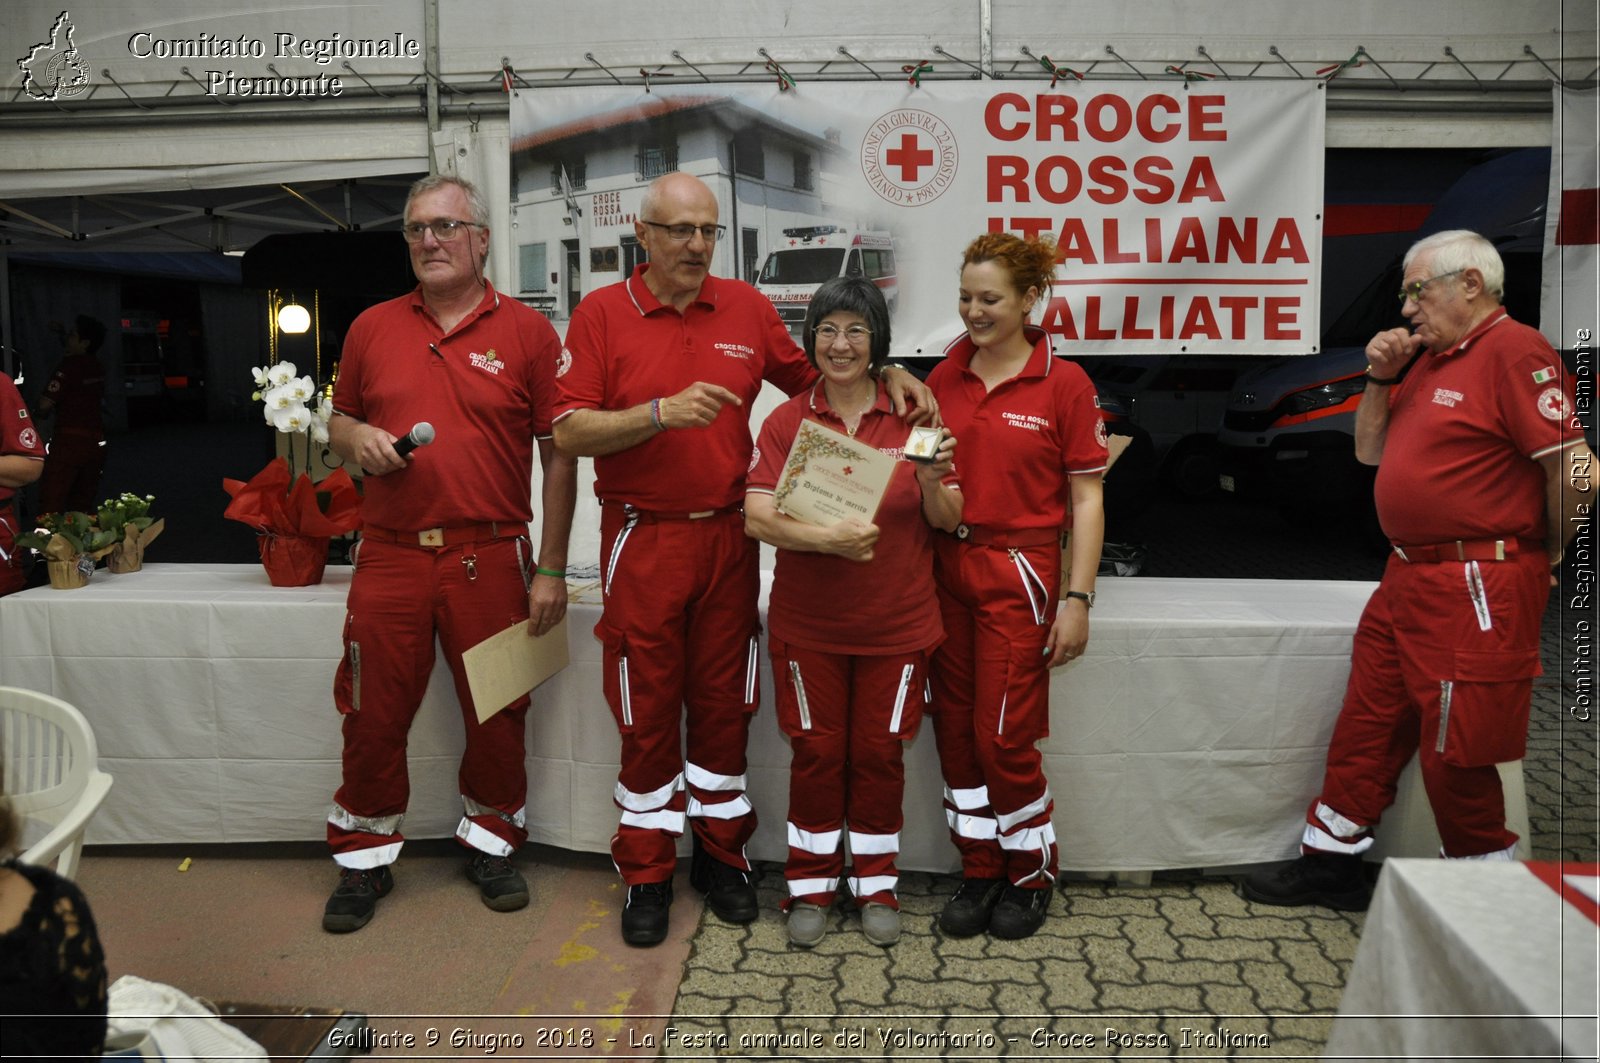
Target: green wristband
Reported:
[(557, 573)]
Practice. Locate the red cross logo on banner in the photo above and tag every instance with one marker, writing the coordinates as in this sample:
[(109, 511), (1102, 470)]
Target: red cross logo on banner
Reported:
[(909, 157)]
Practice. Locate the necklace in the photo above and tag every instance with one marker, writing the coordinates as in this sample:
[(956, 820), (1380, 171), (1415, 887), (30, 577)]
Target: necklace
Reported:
[(852, 420)]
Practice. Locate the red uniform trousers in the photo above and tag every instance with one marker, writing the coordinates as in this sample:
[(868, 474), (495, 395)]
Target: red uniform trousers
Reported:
[(846, 716), (1442, 667), (400, 597), (991, 705), (71, 475), (680, 628)]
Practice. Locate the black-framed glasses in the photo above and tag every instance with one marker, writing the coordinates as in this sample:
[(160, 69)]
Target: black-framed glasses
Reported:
[(1413, 291), (855, 335), (684, 232), (444, 229)]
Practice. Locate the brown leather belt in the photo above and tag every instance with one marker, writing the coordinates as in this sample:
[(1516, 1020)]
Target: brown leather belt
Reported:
[(1466, 550), (980, 535), (652, 516), (451, 535)]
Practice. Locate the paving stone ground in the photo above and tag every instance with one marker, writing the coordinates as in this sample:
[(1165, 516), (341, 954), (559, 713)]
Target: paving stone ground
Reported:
[(1181, 967)]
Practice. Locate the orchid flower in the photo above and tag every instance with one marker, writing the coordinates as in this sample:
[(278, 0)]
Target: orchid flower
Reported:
[(293, 417), (281, 373)]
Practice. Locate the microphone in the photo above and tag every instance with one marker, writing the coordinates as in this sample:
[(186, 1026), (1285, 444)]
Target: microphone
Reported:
[(421, 435)]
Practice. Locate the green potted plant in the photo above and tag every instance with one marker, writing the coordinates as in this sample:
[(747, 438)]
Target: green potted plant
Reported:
[(70, 544), (127, 518)]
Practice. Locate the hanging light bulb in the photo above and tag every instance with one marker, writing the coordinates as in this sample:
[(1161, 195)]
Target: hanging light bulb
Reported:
[(293, 318)]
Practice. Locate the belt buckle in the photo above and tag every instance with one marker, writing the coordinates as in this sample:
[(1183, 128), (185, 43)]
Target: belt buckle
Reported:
[(431, 537), (963, 531), (702, 514), (1499, 549)]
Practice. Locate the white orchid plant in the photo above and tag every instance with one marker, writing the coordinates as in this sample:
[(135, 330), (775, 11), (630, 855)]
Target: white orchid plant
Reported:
[(292, 403)]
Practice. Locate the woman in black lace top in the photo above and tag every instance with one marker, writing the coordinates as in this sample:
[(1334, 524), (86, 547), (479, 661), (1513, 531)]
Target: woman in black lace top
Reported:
[(52, 972)]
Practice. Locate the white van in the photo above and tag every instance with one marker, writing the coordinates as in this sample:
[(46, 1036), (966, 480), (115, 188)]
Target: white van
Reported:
[(811, 254)]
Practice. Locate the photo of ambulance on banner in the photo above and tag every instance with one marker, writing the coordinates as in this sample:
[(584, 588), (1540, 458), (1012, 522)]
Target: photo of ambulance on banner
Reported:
[(1187, 215)]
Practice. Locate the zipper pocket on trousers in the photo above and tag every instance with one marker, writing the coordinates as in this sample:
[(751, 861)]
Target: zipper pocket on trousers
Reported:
[(1480, 598), (906, 675), (1032, 585), (355, 676), (616, 552), (800, 695)]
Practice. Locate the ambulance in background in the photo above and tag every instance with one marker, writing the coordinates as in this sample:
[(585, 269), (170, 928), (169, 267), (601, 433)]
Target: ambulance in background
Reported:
[(811, 254)]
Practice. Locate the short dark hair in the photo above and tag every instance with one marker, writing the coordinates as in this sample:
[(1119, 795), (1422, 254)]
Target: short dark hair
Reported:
[(90, 331), (849, 295)]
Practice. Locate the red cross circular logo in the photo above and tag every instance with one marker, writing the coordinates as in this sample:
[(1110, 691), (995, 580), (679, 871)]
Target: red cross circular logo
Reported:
[(909, 157)]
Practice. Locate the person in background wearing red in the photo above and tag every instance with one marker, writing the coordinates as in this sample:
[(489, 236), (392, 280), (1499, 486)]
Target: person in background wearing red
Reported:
[(74, 395), (1033, 453), (444, 548), (21, 461), (850, 623), (1483, 477)]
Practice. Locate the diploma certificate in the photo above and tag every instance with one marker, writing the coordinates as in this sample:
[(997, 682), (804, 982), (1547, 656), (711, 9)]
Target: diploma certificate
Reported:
[(829, 476)]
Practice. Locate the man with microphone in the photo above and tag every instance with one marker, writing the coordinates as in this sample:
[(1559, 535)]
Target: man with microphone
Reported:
[(440, 397)]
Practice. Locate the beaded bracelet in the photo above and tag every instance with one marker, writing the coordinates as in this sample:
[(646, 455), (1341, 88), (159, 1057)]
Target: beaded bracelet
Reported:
[(655, 415)]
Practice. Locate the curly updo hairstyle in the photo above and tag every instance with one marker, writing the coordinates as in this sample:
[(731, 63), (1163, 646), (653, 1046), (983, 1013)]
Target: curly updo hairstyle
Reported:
[(1030, 263)]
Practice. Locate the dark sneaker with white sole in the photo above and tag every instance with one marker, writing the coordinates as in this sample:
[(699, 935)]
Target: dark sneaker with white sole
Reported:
[(356, 898), (1332, 880), (501, 886)]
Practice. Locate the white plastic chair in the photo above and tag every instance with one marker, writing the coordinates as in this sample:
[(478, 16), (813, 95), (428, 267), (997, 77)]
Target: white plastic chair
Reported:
[(52, 773)]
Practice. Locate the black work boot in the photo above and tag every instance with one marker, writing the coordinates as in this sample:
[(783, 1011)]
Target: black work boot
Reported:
[(501, 886), (967, 913), (647, 913), (356, 898), (1333, 880), (728, 889)]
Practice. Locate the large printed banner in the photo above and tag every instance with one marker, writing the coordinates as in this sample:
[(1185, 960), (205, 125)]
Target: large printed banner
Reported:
[(1570, 307), (1187, 216)]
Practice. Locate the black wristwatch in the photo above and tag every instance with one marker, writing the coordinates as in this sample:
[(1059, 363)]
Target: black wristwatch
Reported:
[(1086, 598)]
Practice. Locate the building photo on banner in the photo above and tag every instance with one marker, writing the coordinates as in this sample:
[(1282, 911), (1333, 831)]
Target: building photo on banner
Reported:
[(214, 270)]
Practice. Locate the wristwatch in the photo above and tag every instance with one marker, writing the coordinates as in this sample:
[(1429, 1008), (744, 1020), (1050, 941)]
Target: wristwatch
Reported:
[(1086, 598)]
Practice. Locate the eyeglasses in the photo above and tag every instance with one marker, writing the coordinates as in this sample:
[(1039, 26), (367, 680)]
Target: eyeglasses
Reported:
[(1413, 291), (856, 335), (444, 230), (683, 233)]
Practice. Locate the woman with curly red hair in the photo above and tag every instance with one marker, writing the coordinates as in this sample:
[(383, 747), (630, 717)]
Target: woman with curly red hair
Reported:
[(1033, 451)]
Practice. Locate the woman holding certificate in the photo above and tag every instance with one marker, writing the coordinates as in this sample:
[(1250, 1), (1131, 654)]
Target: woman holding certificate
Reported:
[(1033, 451), (852, 615)]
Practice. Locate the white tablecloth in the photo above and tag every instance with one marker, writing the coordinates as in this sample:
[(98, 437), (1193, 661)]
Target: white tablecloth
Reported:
[(1467, 960), (1191, 734)]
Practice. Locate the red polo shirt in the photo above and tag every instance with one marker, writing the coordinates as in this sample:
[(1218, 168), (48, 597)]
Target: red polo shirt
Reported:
[(834, 605), (625, 347), (19, 436), (487, 388), (78, 388), (1466, 428), (1017, 445)]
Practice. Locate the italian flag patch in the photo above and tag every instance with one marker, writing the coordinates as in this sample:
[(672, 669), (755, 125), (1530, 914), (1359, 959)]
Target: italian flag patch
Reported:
[(1544, 375)]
